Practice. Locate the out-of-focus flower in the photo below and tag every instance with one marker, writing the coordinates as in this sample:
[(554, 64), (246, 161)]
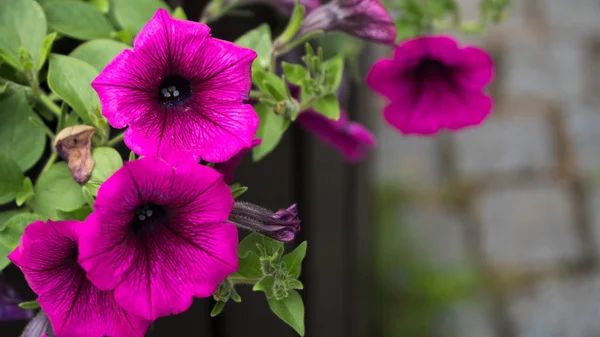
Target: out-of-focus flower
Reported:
[(366, 19), (181, 92), (281, 225), (47, 256), (434, 84), (227, 168), (159, 236), (9, 303), (351, 139)]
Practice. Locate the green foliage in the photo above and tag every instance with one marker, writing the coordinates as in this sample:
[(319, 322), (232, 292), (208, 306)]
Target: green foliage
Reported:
[(45, 50), (11, 179), (22, 25), (237, 190), (76, 19), (290, 310), (179, 13), (25, 193), (328, 106), (272, 126), (29, 305), (56, 190), (134, 14), (19, 139), (98, 53), (106, 162), (259, 40), (13, 228)]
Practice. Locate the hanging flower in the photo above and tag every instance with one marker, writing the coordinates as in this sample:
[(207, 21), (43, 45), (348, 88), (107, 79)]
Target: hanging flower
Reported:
[(366, 19), (282, 225), (48, 258), (351, 139), (181, 92), (228, 168), (434, 84), (158, 236)]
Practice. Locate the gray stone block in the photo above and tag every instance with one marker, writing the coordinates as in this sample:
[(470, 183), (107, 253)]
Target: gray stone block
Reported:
[(566, 308), (583, 122), (505, 145), (528, 226)]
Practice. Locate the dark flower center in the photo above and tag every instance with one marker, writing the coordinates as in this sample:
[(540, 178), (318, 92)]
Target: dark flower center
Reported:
[(174, 90), (148, 217), (432, 69)]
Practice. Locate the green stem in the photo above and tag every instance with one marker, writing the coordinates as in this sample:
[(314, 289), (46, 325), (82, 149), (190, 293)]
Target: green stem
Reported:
[(50, 161), (116, 140), (242, 280), (308, 104), (294, 43), (48, 103), (256, 94)]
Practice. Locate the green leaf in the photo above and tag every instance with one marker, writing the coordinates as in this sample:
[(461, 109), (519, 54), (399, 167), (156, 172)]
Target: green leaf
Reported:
[(217, 309), (4, 261), (25, 23), (273, 85), (101, 5), (55, 190), (249, 266), (25, 193), (295, 73), (249, 243), (13, 229), (132, 156), (290, 310), (293, 260), (293, 25), (265, 285), (179, 13), (29, 305), (45, 51), (79, 214), (237, 190), (106, 162), (294, 284), (11, 179), (19, 138), (259, 40), (87, 196), (334, 68), (135, 14), (5, 215), (71, 79), (98, 53), (76, 19), (328, 106), (272, 246), (270, 129)]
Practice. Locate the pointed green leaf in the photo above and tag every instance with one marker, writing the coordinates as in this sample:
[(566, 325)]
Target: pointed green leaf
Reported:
[(249, 266), (328, 106), (29, 305), (71, 79), (334, 68), (294, 284), (101, 5), (132, 156), (259, 40), (290, 310), (11, 179), (106, 162), (249, 244), (25, 193), (55, 190), (25, 23), (179, 13), (45, 51), (217, 309), (295, 73), (76, 19), (270, 130), (4, 261), (135, 14), (98, 53), (237, 190), (293, 260), (19, 139), (13, 229), (265, 285)]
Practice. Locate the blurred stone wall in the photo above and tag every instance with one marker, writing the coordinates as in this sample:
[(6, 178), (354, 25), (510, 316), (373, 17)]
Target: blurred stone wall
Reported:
[(517, 199)]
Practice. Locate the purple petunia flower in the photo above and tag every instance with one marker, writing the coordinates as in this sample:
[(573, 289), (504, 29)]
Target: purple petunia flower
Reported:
[(351, 139), (282, 225), (228, 168), (434, 84), (366, 19), (181, 92), (158, 236), (75, 307)]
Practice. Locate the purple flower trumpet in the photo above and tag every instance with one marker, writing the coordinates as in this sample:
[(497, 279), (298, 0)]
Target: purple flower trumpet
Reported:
[(281, 225)]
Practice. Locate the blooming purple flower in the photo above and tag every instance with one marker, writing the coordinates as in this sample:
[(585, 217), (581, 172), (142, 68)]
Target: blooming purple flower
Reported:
[(434, 84), (366, 19), (228, 168), (282, 225), (181, 92), (351, 139), (75, 307), (158, 236)]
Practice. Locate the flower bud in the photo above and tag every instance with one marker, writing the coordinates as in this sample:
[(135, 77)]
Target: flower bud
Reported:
[(281, 225)]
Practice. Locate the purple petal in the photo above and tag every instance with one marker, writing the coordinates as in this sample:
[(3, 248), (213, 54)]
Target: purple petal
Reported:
[(157, 262)]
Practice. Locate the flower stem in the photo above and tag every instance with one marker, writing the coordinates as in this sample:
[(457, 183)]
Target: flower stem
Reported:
[(116, 140), (50, 161), (242, 280), (48, 103)]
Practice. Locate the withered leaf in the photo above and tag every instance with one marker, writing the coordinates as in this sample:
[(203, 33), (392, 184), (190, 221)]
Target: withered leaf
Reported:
[(74, 145)]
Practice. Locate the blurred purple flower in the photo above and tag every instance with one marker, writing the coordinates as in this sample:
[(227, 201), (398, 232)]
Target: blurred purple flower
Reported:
[(9, 303), (366, 19), (351, 139), (281, 225)]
